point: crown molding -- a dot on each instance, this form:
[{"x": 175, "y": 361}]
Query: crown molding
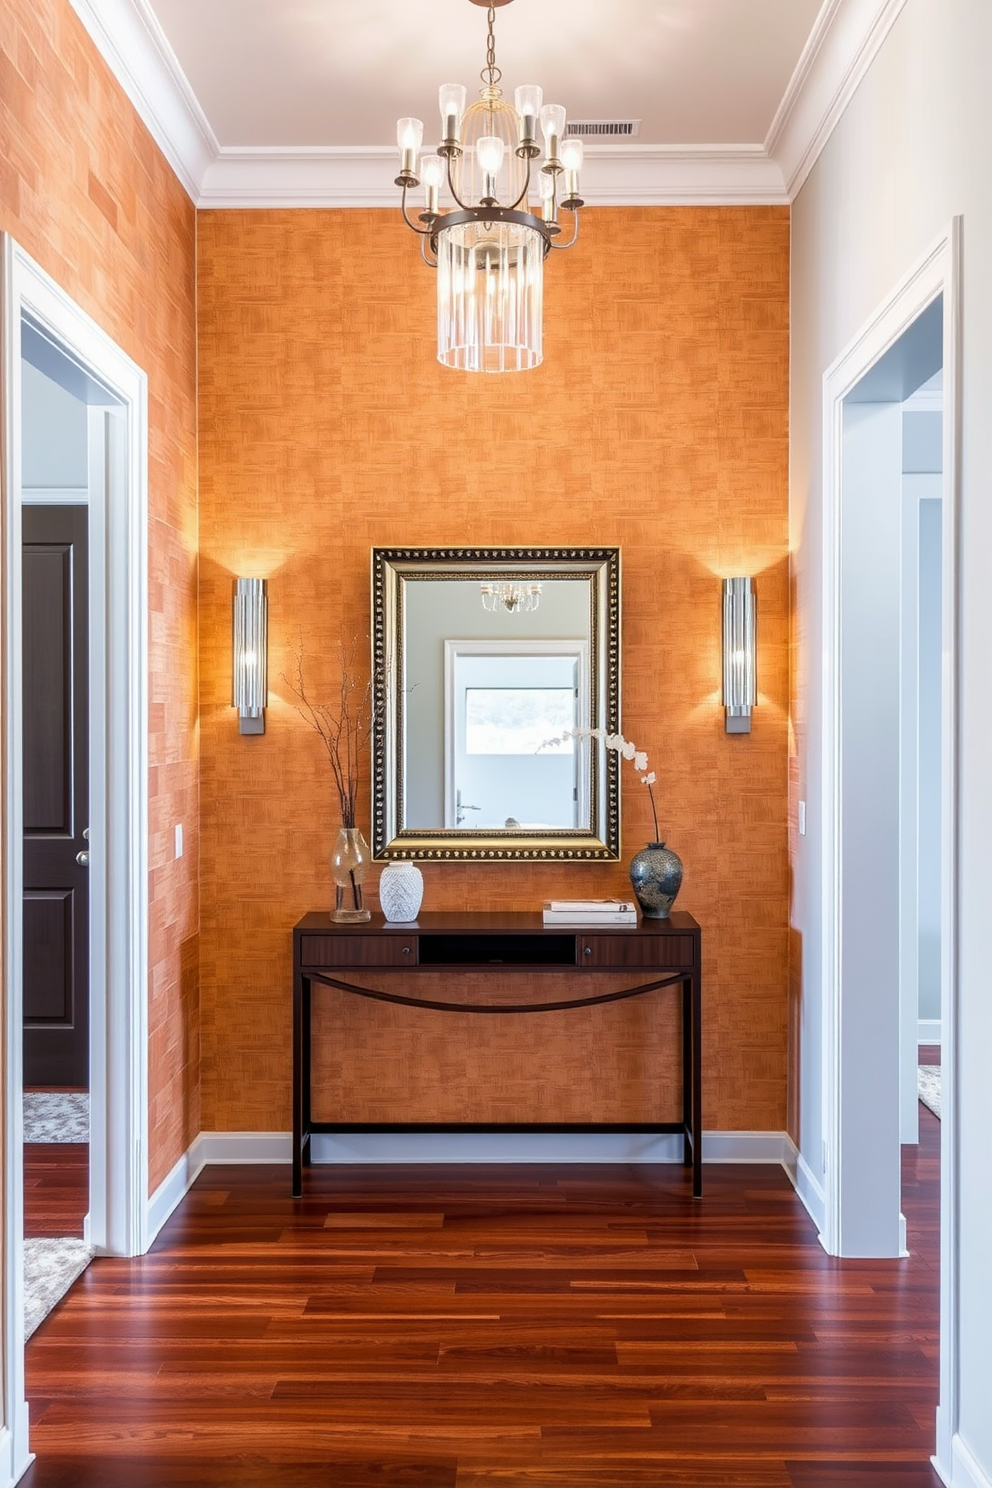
[
  {"x": 137, "y": 51},
  {"x": 844, "y": 42},
  {"x": 613, "y": 175}
]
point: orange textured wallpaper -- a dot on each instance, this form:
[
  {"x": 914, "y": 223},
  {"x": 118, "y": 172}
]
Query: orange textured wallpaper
[
  {"x": 659, "y": 421},
  {"x": 86, "y": 192}
]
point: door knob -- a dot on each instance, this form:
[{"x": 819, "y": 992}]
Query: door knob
[{"x": 83, "y": 859}]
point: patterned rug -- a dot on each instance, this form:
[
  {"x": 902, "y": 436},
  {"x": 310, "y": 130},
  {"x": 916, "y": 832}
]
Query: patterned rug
[
  {"x": 56, "y": 1116},
  {"x": 50, "y": 1268},
  {"x": 928, "y": 1082}
]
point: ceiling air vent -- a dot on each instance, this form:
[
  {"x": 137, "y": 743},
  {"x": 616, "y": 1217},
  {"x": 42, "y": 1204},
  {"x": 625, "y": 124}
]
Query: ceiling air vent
[{"x": 603, "y": 128}]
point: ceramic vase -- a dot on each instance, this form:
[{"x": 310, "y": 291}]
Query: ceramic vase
[
  {"x": 656, "y": 876},
  {"x": 350, "y": 860},
  {"x": 401, "y": 892}
]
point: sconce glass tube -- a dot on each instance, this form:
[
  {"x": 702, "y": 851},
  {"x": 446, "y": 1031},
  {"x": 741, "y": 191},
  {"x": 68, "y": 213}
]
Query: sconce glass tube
[
  {"x": 251, "y": 644},
  {"x": 740, "y": 686}
]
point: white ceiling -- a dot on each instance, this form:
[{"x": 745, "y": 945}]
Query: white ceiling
[
  {"x": 336, "y": 73},
  {"x": 293, "y": 102}
]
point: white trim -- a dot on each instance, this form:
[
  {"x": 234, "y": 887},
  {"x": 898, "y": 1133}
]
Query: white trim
[
  {"x": 938, "y": 273},
  {"x": 55, "y": 495},
  {"x": 841, "y": 48},
  {"x": 965, "y": 1470},
  {"x": 494, "y": 1147},
  {"x": 807, "y": 1186},
  {"x": 118, "y": 819},
  {"x": 174, "y": 1187},
  {"x": 929, "y": 1031},
  {"x": 137, "y": 51},
  {"x": 613, "y": 175}
]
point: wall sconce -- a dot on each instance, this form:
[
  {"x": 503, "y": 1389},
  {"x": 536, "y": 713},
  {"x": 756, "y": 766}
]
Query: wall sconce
[
  {"x": 251, "y": 645},
  {"x": 740, "y": 634}
]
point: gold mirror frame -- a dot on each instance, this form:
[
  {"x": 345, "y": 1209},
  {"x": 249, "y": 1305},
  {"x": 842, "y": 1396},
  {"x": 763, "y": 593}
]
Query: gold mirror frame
[{"x": 392, "y": 568}]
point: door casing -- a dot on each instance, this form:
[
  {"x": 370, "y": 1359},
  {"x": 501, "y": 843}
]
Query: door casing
[{"x": 118, "y": 497}]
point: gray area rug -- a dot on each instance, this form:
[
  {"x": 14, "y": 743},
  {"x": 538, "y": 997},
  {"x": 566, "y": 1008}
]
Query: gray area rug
[
  {"x": 56, "y": 1116},
  {"x": 929, "y": 1087},
  {"x": 50, "y": 1268}
]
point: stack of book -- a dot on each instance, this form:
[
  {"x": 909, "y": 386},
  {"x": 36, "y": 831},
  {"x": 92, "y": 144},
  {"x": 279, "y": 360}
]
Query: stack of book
[{"x": 591, "y": 912}]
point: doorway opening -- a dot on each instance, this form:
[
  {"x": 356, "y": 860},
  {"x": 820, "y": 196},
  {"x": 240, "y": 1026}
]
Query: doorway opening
[
  {"x": 41, "y": 325},
  {"x": 876, "y": 820},
  {"x": 55, "y": 812}
]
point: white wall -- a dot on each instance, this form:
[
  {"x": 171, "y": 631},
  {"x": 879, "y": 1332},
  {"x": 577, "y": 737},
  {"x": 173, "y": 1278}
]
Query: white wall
[
  {"x": 54, "y": 433},
  {"x": 928, "y": 760},
  {"x": 908, "y": 155}
]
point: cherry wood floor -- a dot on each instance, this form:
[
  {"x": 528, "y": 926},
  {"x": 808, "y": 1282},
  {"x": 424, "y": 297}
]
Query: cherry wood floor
[
  {"x": 491, "y": 1327},
  {"x": 56, "y": 1188}
]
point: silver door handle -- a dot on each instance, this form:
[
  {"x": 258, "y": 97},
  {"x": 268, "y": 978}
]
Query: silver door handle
[{"x": 83, "y": 859}]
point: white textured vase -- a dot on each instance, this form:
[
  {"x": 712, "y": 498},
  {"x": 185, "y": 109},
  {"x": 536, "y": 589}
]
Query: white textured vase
[{"x": 401, "y": 892}]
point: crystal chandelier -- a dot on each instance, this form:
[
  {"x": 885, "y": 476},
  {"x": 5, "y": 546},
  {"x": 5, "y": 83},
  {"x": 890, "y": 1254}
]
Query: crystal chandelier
[
  {"x": 518, "y": 599},
  {"x": 489, "y": 247}
]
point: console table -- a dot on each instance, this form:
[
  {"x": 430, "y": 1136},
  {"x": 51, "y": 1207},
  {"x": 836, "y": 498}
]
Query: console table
[{"x": 658, "y": 954}]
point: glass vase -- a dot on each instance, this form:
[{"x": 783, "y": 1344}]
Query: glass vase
[{"x": 350, "y": 860}]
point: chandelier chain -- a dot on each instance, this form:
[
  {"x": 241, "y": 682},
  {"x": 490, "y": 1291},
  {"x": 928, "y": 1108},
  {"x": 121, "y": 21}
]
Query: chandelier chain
[{"x": 491, "y": 72}]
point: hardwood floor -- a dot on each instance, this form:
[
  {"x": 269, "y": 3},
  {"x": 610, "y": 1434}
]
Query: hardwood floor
[
  {"x": 488, "y": 1327},
  {"x": 56, "y": 1188}
]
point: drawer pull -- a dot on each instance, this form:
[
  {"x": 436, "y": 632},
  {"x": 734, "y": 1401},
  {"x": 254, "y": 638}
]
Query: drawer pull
[
  {"x": 587, "y": 951},
  {"x": 406, "y": 950}
]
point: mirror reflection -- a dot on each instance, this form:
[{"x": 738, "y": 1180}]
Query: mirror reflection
[{"x": 481, "y": 665}]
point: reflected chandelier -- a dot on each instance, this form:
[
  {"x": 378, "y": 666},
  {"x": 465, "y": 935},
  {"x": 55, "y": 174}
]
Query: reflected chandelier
[{"x": 489, "y": 247}]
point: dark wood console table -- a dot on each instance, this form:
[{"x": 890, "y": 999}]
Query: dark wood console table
[{"x": 657, "y": 954}]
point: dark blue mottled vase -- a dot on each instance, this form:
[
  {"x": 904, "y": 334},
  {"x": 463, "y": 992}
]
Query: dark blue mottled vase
[{"x": 656, "y": 874}]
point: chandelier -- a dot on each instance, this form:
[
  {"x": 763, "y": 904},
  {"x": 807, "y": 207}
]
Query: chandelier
[
  {"x": 489, "y": 247},
  {"x": 517, "y": 599}
]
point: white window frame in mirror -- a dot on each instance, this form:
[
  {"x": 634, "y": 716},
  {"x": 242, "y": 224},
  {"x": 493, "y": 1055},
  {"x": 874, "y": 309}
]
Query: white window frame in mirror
[
  {"x": 453, "y": 650},
  {"x": 392, "y": 570}
]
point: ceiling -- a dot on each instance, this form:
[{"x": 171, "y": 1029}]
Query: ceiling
[
  {"x": 294, "y": 103},
  {"x": 335, "y": 73}
]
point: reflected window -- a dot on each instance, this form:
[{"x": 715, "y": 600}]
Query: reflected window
[{"x": 518, "y": 720}]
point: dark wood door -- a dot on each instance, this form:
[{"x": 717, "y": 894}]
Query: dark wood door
[{"x": 56, "y": 797}]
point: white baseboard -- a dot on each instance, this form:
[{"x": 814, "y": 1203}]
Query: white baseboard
[
  {"x": 807, "y": 1186},
  {"x": 962, "y": 1471},
  {"x": 11, "y": 1469},
  {"x": 929, "y": 1031},
  {"x": 966, "y": 1472},
  {"x": 174, "y": 1187},
  {"x": 492, "y": 1147}
]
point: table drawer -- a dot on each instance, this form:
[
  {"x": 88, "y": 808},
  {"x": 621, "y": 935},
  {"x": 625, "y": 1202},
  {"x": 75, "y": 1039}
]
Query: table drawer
[
  {"x": 631, "y": 949},
  {"x": 358, "y": 950}
]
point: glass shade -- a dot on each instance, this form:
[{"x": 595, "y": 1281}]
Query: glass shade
[
  {"x": 433, "y": 170},
  {"x": 491, "y": 150},
  {"x": 528, "y": 99},
  {"x": 552, "y": 122},
  {"x": 571, "y": 152},
  {"x": 250, "y": 693},
  {"x": 489, "y": 297},
  {"x": 451, "y": 102},
  {"x": 409, "y": 134}
]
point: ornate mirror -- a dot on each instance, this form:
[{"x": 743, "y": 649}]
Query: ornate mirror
[{"x": 482, "y": 658}]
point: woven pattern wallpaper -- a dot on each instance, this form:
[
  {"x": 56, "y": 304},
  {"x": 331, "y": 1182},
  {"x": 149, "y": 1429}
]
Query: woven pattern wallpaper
[{"x": 659, "y": 422}]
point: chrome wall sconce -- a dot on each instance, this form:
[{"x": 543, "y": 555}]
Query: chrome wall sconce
[
  {"x": 740, "y": 636},
  {"x": 251, "y": 646}
]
